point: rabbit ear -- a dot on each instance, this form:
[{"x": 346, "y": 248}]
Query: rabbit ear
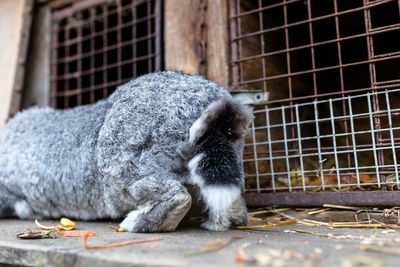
[{"x": 228, "y": 116}]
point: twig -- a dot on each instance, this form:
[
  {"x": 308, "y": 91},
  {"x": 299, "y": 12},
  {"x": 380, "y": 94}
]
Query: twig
[{"x": 85, "y": 245}]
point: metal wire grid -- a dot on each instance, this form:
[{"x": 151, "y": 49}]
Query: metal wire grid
[
  {"x": 99, "y": 44},
  {"x": 302, "y": 53},
  {"x": 307, "y": 49},
  {"x": 312, "y": 152}
]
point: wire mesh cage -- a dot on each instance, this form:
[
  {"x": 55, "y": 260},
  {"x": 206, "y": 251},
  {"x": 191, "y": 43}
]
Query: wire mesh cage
[
  {"x": 317, "y": 152},
  {"x": 99, "y": 44},
  {"x": 331, "y": 121}
]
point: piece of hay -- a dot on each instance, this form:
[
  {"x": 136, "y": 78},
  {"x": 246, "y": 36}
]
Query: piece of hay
[
  {"x": 318, "y": 211},
  {"x": 267, "y": 225}
]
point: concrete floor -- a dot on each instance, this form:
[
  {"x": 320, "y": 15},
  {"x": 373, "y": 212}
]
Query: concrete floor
[{"x": 273, "y": 246}]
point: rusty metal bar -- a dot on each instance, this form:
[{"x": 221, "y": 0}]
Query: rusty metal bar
[
  {"x": 84, "y": 5},
  {"x": 377, "y": 3},
  {"x": 331, "y": 41},
  {"x": 319, "y": 69},
  {"x": 234, "y": 44},
  {"x": 158, "y": 32},
  {"x": 330, "y": 94}
]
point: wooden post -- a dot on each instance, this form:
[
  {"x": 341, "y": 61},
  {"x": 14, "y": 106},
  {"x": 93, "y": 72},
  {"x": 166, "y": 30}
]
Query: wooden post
[
  {"x": 37, "y": 82},
  {"x": 15, "y": 21},
  {"x": 218, "y": 55},
  {"x": 180, "y": 35}
]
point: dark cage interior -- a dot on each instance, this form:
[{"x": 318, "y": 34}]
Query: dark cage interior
[
  {"x": 98, "y": 45},
  {"x": 331, "y": 68}
]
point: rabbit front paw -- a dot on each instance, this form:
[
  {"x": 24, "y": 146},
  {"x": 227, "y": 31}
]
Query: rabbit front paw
[{"x": 215, "y": 225}]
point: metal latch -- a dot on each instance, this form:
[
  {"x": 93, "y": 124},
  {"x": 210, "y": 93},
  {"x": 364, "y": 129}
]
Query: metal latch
[{"x": 250, "y": 97}]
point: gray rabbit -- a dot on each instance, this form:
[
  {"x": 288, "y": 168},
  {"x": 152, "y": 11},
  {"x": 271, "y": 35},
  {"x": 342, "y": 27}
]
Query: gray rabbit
[{"x": 133, "y": 154}]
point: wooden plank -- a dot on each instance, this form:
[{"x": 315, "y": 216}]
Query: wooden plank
[
  {"x": 181, "y": 35},
  {"x": 60, "y": 3},
  {"x": 218, "y": 57},
  {"x": 15, "y": 21},
  {"x": 37, "y": 82},
  {"x": 318, "y": 199}
]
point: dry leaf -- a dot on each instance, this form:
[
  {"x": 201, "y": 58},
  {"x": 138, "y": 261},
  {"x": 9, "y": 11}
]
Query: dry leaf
[{"x": 29, "y": 234}]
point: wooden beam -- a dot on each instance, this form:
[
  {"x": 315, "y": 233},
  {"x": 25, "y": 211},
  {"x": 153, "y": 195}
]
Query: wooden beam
[
  {"x": 218, "y": 52},
  {"x": 181, "y": 35},
  {"x": 60, "y": 3},
  {"x": 37, "y": 81},
  {"x": 15, "y": 21}
]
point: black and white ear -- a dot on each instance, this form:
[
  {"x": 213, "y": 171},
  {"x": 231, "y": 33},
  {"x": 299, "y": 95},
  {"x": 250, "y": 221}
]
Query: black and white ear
[{"x": 227, "y": 115}]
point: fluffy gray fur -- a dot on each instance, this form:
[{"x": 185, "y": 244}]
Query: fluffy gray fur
[{"x": 117, "y": 157}]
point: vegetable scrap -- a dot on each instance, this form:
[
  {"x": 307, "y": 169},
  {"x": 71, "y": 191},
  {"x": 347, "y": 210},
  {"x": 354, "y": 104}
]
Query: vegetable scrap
[
  {"x": 76, "y": 233},
  {"x": 29, "y": 234},
  {"x": 118, "y": 229},
  {"x": 155, "y": 245},
  {"x": 65, "y": 229},
  {"x": 86, "y": 246},
  {"x": 240, "y": 256},
  {"x": 65, "y": 224},
  {"x": 213, "y": 246}
]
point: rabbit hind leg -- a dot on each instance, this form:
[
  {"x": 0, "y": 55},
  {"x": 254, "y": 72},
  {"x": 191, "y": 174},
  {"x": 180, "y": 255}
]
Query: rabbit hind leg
[{"x": 159, "y": 215}]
